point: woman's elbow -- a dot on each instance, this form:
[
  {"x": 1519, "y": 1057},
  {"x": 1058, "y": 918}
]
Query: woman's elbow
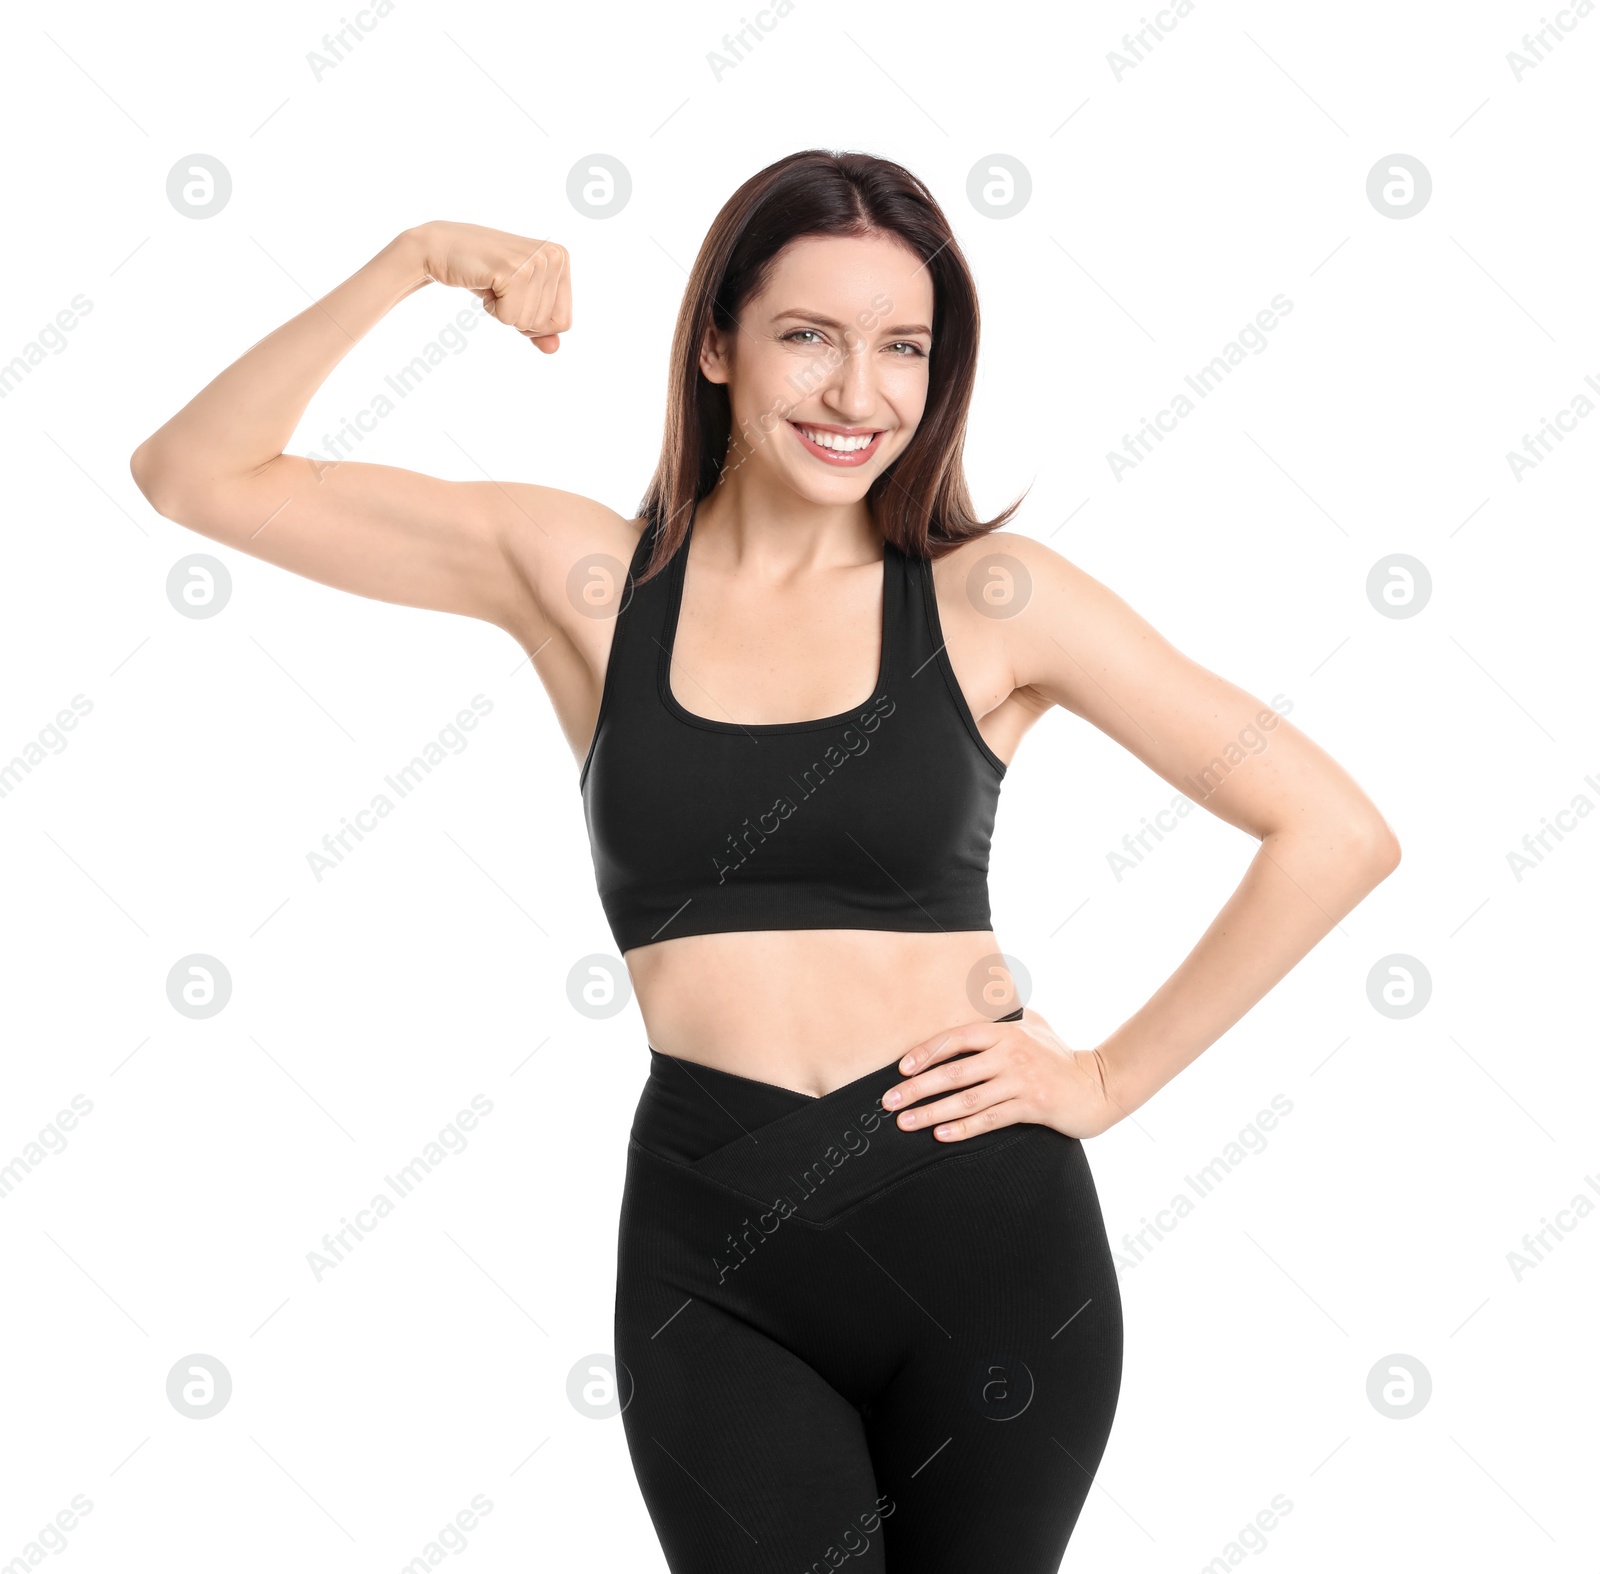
[
  {"x": 1371, "y": 846},
  {"x": 147, "y": 472},
  {"x": 158, "y": 479}
]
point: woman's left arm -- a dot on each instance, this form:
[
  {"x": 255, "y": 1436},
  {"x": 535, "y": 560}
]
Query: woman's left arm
[{"x": 1324, "y": 846}]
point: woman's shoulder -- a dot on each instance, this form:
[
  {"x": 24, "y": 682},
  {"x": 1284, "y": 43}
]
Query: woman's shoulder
[{"x": 995, "y": 577}]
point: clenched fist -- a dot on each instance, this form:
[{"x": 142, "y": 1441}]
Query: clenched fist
[{"x": 526, "y": 284}]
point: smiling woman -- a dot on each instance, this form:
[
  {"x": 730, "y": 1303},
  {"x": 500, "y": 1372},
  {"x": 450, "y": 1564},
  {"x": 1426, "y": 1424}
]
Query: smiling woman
[{"x": 794, "y": 714}]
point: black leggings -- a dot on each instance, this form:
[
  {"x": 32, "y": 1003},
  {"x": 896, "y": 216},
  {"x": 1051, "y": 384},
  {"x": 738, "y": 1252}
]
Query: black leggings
[{"x": 844, "y": 1344}]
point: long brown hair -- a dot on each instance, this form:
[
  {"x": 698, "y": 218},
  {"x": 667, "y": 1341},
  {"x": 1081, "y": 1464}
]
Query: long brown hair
[{"x": 920, "y": 502}]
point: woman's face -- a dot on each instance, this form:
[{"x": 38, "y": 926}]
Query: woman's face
[{"x": 828, "y": 374}]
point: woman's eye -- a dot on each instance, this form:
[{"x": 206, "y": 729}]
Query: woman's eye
[{"x": 902, "y": 348}]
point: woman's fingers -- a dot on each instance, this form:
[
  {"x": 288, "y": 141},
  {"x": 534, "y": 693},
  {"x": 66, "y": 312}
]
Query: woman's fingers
[
  {"x": 983, "y": 1075},
  {"x": 970, "y": 1035},
  {"x": 970, "y": 1059},
  {"x": 521, "y": 291},
  {"x": 940, "y": 1078},
  {"x": 1008, "y": 1113},
  {"x": 562, "y": 317},
  {"x": 525, "y": 284},
  {"x": 958, "y": 1117},
  {"x": 966, "y": 1102},
  {"x": 555, "y": 307},
  {"x": 537, "y": 284}
]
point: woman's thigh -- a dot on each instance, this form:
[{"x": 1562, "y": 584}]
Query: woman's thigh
[
  {"x": 988, "y": 1437},
  {"x": 748, "y": 1460}
]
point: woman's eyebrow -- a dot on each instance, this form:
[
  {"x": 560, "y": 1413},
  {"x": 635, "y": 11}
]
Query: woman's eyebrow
[{"x": 828, "y": 322}]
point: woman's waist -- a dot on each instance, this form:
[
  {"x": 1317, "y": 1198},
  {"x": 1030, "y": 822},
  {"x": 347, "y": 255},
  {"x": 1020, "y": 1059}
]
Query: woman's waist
[
  {"x": 810, "y": 1011},
  {"x": 816, "y": 1157}
]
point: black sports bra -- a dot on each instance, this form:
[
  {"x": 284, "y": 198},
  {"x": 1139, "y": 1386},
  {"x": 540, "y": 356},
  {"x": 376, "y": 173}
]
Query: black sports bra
[{"x": 877, "y": 818}]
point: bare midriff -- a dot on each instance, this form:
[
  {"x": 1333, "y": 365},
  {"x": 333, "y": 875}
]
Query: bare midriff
[{"x": 813, "y": 1009}]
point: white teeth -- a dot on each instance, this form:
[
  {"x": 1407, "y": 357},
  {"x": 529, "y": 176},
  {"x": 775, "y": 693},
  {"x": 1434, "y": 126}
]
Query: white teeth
[{"x": 838, "y": 442}]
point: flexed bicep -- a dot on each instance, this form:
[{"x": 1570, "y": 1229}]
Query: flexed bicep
[{"x": 219, "y": 466}]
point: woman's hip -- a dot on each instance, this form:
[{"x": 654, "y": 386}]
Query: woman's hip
[{"x": 772, "y": 1203}]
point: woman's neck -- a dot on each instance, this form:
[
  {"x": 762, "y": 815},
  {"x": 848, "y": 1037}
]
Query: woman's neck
[{"x": 742, "y": 523}]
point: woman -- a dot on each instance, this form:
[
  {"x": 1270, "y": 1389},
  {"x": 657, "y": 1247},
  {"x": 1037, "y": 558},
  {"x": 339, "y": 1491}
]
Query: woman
[{"x": 866, "y": 1306}]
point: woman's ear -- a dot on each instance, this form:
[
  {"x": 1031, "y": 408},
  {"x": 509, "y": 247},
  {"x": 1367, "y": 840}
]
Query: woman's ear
[{"x": 715, "y": 359}]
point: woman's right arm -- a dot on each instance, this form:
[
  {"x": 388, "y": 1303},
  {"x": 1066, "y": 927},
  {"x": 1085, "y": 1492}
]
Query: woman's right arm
[{"x": 480, "y": 548}]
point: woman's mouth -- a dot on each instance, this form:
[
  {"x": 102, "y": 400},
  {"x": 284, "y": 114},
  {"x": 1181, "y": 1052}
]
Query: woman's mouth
[{"x": 839, "y": 445}]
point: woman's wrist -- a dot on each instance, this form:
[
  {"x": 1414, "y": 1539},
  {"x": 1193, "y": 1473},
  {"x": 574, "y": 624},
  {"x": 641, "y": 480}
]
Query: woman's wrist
[
  {"x": 1121, "y": 1091},
  {"x": 405, "y": 260}
]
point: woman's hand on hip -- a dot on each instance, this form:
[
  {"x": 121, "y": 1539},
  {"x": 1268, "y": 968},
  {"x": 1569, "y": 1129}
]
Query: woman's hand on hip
[{"x": 1008, "y": 1073}]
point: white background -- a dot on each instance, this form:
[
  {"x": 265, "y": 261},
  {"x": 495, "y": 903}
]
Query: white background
[{"x": 1168, "y": 208}]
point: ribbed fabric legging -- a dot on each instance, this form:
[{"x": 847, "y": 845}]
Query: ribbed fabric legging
[{"x": 841, "y": 1344}]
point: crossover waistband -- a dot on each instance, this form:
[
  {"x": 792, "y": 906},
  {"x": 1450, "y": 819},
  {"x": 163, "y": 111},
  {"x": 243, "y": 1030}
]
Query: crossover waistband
[{"x": 810, "y": 1157}]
